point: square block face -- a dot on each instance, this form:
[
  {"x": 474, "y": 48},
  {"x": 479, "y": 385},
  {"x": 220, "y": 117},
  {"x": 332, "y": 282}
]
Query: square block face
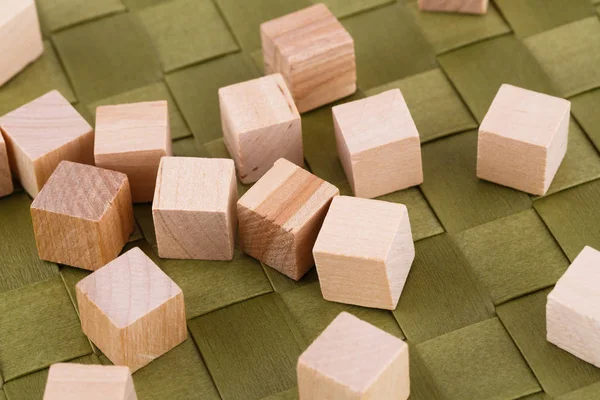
[
  {"x": 353, "y": 359},
  {"x": 194, "y": 208},
  {"x": 378, "y": 144},
  {"x": 42, "y": 133},
  {"x": 260, "y": 125},
  {"x": 6, "y": 184},
  {"x": 20, "y": 37},
  {"x": 131, "y": 138},
  {"x": 523, "y": 139},
  {"x": 573, "y": 317},
  {"x": 280, "y": 217},
  {"x": 132, "y": 310},
  {"x": 313, "y": 52},
  {"x": 83, "y": 217},
  {"x": 460, "y": 6},
  {"x": 364, "y": 252}
]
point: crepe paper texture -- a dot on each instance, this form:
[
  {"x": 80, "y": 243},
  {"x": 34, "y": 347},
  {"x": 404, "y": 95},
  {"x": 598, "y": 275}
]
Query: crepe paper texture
[
  {"x": 345, "y": 8},
  {"x": 585, "y": 110},
  {"x": 591, "y": 392},
  {"x": 59, "y": 14},
  {"x": 281, "y": 283}
]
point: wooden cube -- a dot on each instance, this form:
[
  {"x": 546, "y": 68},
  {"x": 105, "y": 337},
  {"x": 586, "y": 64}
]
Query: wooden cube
[
  {"x": 458, "y": 6},
  {"x": 6, "y": 184},
  {"x": 132, "y": 138},
  {"x": 572, "y": 313},
  {"x": 20, "y": 37},
  {"x": 132, "y": 310},
  {"x": 260, "y": 125},
  {"x": 314, "y": 53},
  {"x": 280, "y": 217},
  {"x": 42, "y": 133},
  {"x": 68, "y": 381},
  {"x": 194, "y": 208},
  {"x": 364, "y": 252},
  {"x": 353, "y": 359},
  {"x": 378, "y": 144},
  {"x": 523, "y": 139},
  {"x": 83, "y": 216}
]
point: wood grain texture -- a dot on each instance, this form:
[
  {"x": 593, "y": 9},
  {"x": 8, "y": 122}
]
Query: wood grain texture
[
  {"x": 194, "y": 208},
  {"x": 261, "y": 124},
  {"x": 91, "y": 382},
  {"x": 280, "y": 217},
  {"x": 42, "y": 133},
  {"x": 364, "y": 252},
  {"x": 20, "y": 37},
  {"x": 83, "y": 217},
  {"x": 460, "y": 6},
  {"x": 6, "y": 183},
  {"x": 313, "y": 52},
  {"x": 378, "y": 144},
  {"x": 132, "y": 138},
  {"x": 353, "y": 359},
  {"x": 132, "y": 310}
]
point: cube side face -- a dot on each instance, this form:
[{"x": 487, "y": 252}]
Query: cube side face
[
  {"x": 6, "y": 183},
  {"x": 557, "y": 150},
  {"x": 344, "y": 153},
  {"x": 400, "y": 258},
  {"x": 313, "y": 385},
  {"x": 117, "y": 224},
  {"x": 93, "y": 382},
  {"x": 394, "y": 382},
  {"x": 461, "y": 6}
]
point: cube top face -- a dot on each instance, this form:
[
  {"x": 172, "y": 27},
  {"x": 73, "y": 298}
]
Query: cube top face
[
  {"x": 43, "y": 125},
  {"x": 11, "y": 8},
  {"x": 375, "y": 121},
  {"x": 128, "y": 288},
  {"x": 525, "y": 116},
  {"x": 194, "y": 184},
  {"x": 256, "y": 104},
  {"x": 352, "y": 352},
  {"x": 80, "y": 191},
  {"x": 134, "y": 127}
]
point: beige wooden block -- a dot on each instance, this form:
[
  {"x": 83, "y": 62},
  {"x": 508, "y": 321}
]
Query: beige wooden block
[
  {"x": 83, "y": 216},
  {"x": 458, "y": 6},
  {"x": 364, "y": 252},
  {"x": 6, "y": 184},
  {"x": 20, "y": 37},
  {"x": 378, "y": 144},
  {"x": 68, "y": 381},
  {"x": 42, "y": 133},
  {"x": 523, "y": 139},
  {"x": 194, "y": 208},
  {"x": 572, "y": 313},
  {"x": 354, "y": 360},
  {"x": 314, "y": 53},
  {"x": 280, "y": 217},
  {"x": 132, "y": 310},
  {"x": 260, "y": 125},
  {"x": 132, "y": 138}
]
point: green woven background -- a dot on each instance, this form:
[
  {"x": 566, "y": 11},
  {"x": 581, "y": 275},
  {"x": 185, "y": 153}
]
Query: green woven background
[{"x": 473, "y": 307}]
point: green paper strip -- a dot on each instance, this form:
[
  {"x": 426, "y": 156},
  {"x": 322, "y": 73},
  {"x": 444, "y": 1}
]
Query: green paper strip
[
  {"x": 55, "y": 15},
  {"x": 585, "y": 109},
  {"x": 345, "y": 8},
  {"x": 591, "y": 392}
]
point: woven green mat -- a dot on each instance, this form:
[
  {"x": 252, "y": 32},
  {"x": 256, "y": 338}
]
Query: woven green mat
[{"x": 473, "y": 307}]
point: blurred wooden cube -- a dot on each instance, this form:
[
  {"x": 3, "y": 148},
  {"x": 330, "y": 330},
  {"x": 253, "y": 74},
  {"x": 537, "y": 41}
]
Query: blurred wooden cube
[
  {"x": 83, "y": 216},
  {"x": 20, "y": 37},
  {"x": 364, "y": 252},
  {"x": 132, "y": 138},
  {"x": 260, "y": 125},
  {"x": 132, "y": 310},
  {"x": 314, "y": 53},
  {"x": 68, "y": 381},
  {"x": 523, "y": 139},
  {"x": 41, "y": 134},
  {"x": 194, "y": 208},
  {"x": 353, "y": 359},
  {"x": 458, "y": 6},
  {"x": 378, "y": 144},
  {"x": 6, "y": 183},
  {"x": 280, "y": 217}
]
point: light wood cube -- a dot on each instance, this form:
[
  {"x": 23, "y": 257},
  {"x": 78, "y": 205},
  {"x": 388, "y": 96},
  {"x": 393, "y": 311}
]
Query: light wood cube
[
  {"x": 314, "y": 53},
  {"x": 378, "y": 144},
  {"x": 194, "y": 208},
  {"x": 280, "y": 217},
  {"x": 260, "y": 125},
  {"x": 68, "y": 381},
  {"x": 364, "y": 252},
  {"x": 20, "y": 37},
  {"x": 572, "y": 313},
  {"x": 6, "y": 183},
  {"x": 83, "y": 216},
  {"x": 459, "y": 6},
  {"x": 42, "y": 133},
  {"x": 132, "y": 310},
  {"x": 354, "y": 360},
  {"x": 523, "y": 139},
  {"x": 132, "y": 138}
]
